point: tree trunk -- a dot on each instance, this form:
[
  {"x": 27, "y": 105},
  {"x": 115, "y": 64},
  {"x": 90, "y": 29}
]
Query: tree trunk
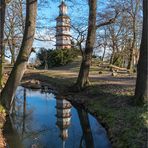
[
  {"x": 113, "y": 54},
  {"x": 2, "y": 21},
  {"x": 131, "y": 58},
  {"x": 82, "y": 79},
  {"x": 80, "y": 47},
  {"x": 24, "y": 112},
  {"x": 104, "y": 51},
  {"x": 16, "y": 75},
  {"x": 130, "y": 61},
  {"x": 12, "y": 51},
  {"x": 12, "y": 46},
  {"x": 141, "y": 92},
  {"x": 13, "y": 55}
]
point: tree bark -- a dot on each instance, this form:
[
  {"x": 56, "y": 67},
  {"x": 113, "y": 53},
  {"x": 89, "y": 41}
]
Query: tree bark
[
  {"x": 112, "y": 55},
  {"x": 2, "y": 21},
  {"x": 133, "y": 14},
  {"x": 104, "y": 51},
  {"x": 83, "y": 79},
  {"x": 141, "y": 92},
  {"x": 12, "y": 51},
  {"x": 16, "y": 75},
  {"x": 13, "y": 55},
  {"x": 130, "y": 63}
]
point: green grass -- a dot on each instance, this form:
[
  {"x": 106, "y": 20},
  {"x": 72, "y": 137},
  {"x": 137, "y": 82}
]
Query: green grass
[
  {"x": 114, "y": 105},
  {"x": 127, "y": 125}
]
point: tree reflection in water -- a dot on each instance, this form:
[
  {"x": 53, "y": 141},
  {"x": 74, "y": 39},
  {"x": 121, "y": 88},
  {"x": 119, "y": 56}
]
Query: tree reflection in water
[
  {"x": 34, "y": 123},
  {"x": 85, "y": 124}
]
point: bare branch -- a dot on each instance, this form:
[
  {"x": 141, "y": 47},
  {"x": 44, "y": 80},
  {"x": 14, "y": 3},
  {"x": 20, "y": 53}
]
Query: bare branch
[{"x": 110, "y": 21}]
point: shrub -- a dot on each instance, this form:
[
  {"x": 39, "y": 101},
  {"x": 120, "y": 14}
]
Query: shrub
[{"x": 56, "y": 57}]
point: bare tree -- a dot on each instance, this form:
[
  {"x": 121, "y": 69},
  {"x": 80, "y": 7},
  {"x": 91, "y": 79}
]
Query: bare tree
[
  {"x": 120, "y": 34},
  {"x": 17, "y": 72},
  {"x": 14, "y": 27},
  {"x": 82, "y": 80},
  {"x": 83, "y": 77},
  {"x": 133, "y": 12},
  {"x": 2, "y": 21}
]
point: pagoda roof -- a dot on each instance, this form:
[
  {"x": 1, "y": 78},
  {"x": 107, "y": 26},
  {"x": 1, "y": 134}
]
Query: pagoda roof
[
  {"x": 63, "y": 16},
  {"x": 63, "y": 26},
  {"x": 63, "y": 35},
  {"x": 60, "y": 97},
  {"x": 65, "y": 107},
  {"x": 63, "y": 116},
  {"x": 63, "y": 126},
  {"x": 63, "y": 45}
]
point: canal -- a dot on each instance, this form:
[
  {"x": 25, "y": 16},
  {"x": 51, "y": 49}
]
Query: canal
[{"x": 41, "y": 120}]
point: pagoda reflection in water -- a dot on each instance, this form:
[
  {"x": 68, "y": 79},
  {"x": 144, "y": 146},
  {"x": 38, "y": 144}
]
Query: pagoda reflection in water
[{"x": 63, "y": 115}]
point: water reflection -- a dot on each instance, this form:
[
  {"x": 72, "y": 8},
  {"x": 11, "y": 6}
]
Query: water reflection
[
  {"x": 63, "y": 109},
  {"x": 42, "y": 121},
  {"x": 85, "y": 124}
]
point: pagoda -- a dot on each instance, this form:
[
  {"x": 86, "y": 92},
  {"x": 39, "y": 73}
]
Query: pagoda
[
  {"x": 63, "y": 37},
  {"x": 63, "y": 115}
]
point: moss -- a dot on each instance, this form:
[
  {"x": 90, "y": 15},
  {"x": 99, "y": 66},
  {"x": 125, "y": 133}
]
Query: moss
[
  {"x": 2, "y": 116},
  {"x": 2, "y": 109}
]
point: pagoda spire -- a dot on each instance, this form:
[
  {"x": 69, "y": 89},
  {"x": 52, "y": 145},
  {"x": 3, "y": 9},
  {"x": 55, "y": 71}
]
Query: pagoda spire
[{"x": 63, "y": 8}]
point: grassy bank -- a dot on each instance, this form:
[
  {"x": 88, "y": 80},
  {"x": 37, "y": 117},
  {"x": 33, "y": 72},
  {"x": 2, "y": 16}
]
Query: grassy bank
[{"x": 109, "y": 99}]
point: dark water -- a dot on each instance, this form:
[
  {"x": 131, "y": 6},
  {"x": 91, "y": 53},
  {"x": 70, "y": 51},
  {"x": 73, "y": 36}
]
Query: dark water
[{"x": 42, "y": 121}]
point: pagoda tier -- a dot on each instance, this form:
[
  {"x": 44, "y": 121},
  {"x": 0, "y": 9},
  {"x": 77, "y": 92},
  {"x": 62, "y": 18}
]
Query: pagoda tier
[{"x": 61, "y": 17}]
